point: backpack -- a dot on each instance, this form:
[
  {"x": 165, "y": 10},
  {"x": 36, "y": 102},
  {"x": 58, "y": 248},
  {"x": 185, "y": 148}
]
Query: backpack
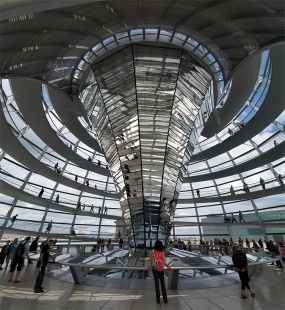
[{"x": 20, "y": 249}]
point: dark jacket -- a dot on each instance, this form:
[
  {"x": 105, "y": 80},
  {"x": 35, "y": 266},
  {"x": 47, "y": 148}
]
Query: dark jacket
[
  {"x": 239, "y": 259},
  {"x": 34, "y": 245}
]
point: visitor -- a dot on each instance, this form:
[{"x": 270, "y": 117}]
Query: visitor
[
  {"x": 57, "y": 198},
  {"x": 247, "y": 242},
  {"x": 189, "y": 245},
  {"x": 33, "y": 248},
  {"x": 105, "y": 210},
  {"x": 92, "y": 208},
  {"x": 274, "y": 249},
  {"x": 109, "y": 244},
  {"x": 260, "y": 243},
  {"x": 13, "y": 219},
  {"x": 44, "y": 257},
  {"x": 21, "y": 252},
  {"x": 4, "y": 252},
  {"x": 11, "y": 252},
  {"x": 262, "y": 183},
  {"x": 240, "y": 263},
  {"x": 55, "y": 167},
  {"x": 198, "y": 193},
  {"x": 87, "y": 182},
  {"x": 240, "y": 242},
  {"x": 254, "y": 245},
  {"x": 102, "y": 244},
  {"x": 89, "y": 158},
  {"x": 245, "y": 187},
  {"x": 232, "y": 190},
  {"x": 230, "y": 132},
  {"x": 121, "y": 242},
  {"x": 41, "y": 192},
  {"x": 275, "y": 143},
  {"x": 72, "y": 231},
  {"x": 76, "y": 178},
  {"x": 240, "y": 215},
  {"x": 48, "y": 229},
  {"x": 233, "y": 218},
  {"x": 158, "y": 274}
]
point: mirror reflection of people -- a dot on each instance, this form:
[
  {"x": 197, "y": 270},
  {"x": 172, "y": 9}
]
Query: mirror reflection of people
[{"x": 158, "y": 274}]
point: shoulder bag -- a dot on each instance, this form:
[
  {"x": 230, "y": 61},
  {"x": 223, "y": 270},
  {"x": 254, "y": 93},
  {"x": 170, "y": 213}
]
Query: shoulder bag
[{"x": 153, "y": 264}]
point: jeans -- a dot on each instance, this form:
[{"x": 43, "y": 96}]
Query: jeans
[
  {"x": 40, "y": 278},
  {"x": 159, "y": 276}
]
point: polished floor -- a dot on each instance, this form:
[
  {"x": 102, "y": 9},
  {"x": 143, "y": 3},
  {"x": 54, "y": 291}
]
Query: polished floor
[{"x": 269, "y": 289}]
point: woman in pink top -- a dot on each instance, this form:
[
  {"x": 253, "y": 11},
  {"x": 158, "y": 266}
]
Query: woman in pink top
[{"x": 158, "y": 274}]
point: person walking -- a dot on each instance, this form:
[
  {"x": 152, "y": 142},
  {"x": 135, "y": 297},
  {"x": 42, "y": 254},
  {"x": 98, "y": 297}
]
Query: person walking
[
  {"x": 240, "y": 263},
  {"x": 233, "y": 218},
  {"x": 158, "y": 274},
  {"x": 4, "y": 252},
  {"x": 92, "y": 208},
  {"x": 109, "y": 244},
  {"x": 245, "y": 187},
  {"x": 105, "y": 210},
  {"x": 44, "y": 257},
  {"x": 13, "y": 219},
  {"x": 198, "y": 193},
  {"x": 232, "y": 190},
  {"x": 21, "y": 252},
  {"x": 121, "y": 242},
  {"x": 262, "y": 183},
  {"x": 11, "y": 252},
  {"x": 57, "y": 198},
  {"x": 48, "y": 229},
  {"x": 230, "y": 132},
  {"x": 33, "y": 248},
  {"x": 260, "y": 243},
  {"x": 76, "y": 178},
  {"x": 41, "y": 192},
  {"x": 72, "y": 231},
  {"x": 240, "y": 215}
]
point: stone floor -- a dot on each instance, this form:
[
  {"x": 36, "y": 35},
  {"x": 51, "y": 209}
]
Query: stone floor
[{"x": 269, "y": 289}]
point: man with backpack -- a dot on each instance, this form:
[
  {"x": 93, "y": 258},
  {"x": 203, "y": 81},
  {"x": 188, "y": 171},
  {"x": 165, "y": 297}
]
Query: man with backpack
[{"x": 22, "y": 251}]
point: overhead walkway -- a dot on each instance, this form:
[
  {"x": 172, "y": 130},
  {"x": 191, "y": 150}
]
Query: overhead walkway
[
  {"x": 230, "y": 225},
  {"x": 15, "y": 149},
  {"x": 271, "y": 108},
  {"x": 19, "y": 194},
  {"x": 265, "y": 158},
  {"x": 24, "y": 232},
  {"x": 28, "y": 97},
  {"x": 257, "y": 194},
  {"x": 63, "y": 106},
  {"x": 244, "y": 79}
]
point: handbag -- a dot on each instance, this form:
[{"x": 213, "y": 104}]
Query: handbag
[{"x": 153, "y": 264}]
